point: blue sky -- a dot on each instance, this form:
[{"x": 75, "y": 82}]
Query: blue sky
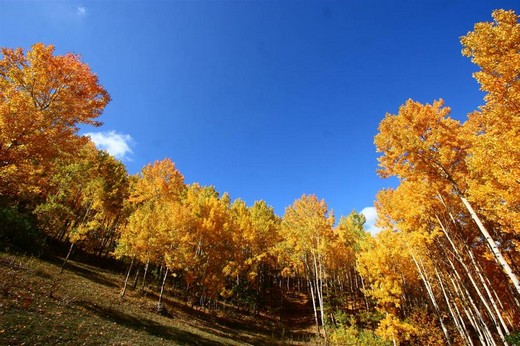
[{"x": 262, "y": 99}]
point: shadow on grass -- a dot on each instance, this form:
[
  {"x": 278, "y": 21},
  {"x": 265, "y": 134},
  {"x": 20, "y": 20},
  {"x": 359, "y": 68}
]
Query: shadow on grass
[
  {"x": 141, "y": 324},
  {"x": 206, "y": 322},
  {"x": 257, "y": 330},
  {"x": 89, "y": 274},
  {"x": 43, "y": 274}
]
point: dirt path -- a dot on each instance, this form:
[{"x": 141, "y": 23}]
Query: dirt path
[{"x": 298, "y": 316}]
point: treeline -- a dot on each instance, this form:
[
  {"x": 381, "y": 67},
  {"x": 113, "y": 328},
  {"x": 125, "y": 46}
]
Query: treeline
[{"x": 443, "y": 270}]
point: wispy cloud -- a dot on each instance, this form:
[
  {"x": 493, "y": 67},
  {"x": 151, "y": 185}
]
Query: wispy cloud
[
  {"x": 117, "y": 144},
  {"x": 81, "y": 11},
  {"x": 371, "y": 216},
  {"x": 61, "y": 12}
]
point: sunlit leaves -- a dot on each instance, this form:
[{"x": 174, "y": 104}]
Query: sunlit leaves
[
  {"x": 494, "y": 131},
  {"x": 43, "y": 97},
  {"x": 422, "y": 142},
  {"x": 441, "y": 165}
]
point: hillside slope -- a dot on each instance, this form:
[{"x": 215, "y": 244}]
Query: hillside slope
[{"x": 82, "y": 305}]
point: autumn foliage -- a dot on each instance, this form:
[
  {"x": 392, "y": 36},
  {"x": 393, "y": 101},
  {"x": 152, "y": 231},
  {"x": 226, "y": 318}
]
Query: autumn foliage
[
  {"x": 43, "y": 98},
  {"x": 456, "y": 207},
  {"x": 443, "y": 269}
]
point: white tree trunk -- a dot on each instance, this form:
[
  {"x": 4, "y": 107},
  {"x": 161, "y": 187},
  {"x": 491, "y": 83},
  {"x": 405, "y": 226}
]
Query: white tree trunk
[
  {"x": 452, "y": 313},
  {"x": 432, "y": 297},
  {"x": 123, "y": 291},
  {"x": 490, "y": 296},
  {"x": 467, "y": 311},
  {"x": 477, "y": 289},
  {"x": 310, "y": 283},
  {"x": 483, "y": 326},
  {"x": 159, "y": 303},
  {"x": 493, "y": 246},
  {"x": 461, "y": 322},
  {"x": 319, "y": 292},
  {"x": 144, "y": 274}
]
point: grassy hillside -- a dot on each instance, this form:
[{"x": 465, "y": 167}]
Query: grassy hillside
[{"x": 82, "y": 306}]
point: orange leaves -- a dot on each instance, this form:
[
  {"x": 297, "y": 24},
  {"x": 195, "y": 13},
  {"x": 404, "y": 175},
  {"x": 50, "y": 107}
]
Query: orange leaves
[
  {"x": 62, "y": 83},
  {"x": 420, "y": 142},
  {"x": 494, "y": 131},
  {"x": 495, "y": 48},
  {"x": 442, "y": 165},
  {"x": 42, "y": 100}
]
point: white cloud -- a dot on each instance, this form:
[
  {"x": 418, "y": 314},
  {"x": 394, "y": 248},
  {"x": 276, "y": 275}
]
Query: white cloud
[
  {"x": 116, "y": 144},
  {"x": 81, "y": 11},
  {"x": 371, "y": 216}
]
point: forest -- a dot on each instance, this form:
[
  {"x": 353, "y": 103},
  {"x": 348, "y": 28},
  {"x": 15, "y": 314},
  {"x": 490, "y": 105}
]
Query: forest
[{"x": 443, "y": 270}]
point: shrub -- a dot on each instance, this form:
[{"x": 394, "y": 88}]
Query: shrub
[{"x": 18, "y": 230}]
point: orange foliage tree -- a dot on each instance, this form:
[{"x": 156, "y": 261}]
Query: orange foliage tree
[{"x": 43, "y": 97}]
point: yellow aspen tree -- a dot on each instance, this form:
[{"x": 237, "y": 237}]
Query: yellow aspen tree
[
  {"x": 346, "y": 244},
  {"x": 64, "y": 208},
  {"x": 146, "y": 231},
  {"x": 422, "y": 143},
  {"x": 239, "y": 263},
  {"x": 307, "y": 232},
  {"x": 256, "y": 234},
  {"x": 387, "y": 268},
  {"x": 263, "y": 239},
  {"x": 413, "y": 210},
  {"x": 210, "y": 243},
  {"x": 160, "y": 180},
  {"x": 114, "y": 192},
  {"x": 494, "y": 130}
]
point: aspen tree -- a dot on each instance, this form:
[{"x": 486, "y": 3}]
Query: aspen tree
[
  {"x": 422, "y": 143},
  {"x": 307, "y": 230}
]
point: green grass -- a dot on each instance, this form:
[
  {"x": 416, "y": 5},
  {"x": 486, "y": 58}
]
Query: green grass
[{"x": 82, "y": 306}]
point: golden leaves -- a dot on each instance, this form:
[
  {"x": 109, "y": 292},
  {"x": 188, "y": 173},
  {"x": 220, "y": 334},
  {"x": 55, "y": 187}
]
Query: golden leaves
[
  {"x": 420, "y": 142},
  {"x": 43, "y": 98}
]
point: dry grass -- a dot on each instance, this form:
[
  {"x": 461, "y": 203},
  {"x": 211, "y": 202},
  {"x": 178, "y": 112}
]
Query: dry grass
[{"x": 82, "y": 306}]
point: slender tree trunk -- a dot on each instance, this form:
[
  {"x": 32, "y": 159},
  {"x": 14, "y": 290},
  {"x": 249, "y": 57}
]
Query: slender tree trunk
[
  {"x": 281, "y": 298},
  {"x": 493, "y": 246},
  {"x": 481, "y": 324},
  {"x": 459, "y": 320},
  {"x": 465, "y": 305},
  {"x": 123, "y": 291},
  {"x": 102, "y": 245},
  {"x": 136, "y": 277},
  {"x": 319, "y": 291},
  {"x": 144, "y": 274},
  {"x": 432, "y": 297},
  {"x": 322, "y": 303},
  {"x": 67, "y": 257},
  {"x": 310, "y": 283},
  {"x": 452, "y": 313},
  {"x": 364, "y": 295},
  {"x": 477, "y": 288},
  {"x": 64, "y": 230},
  {"x": 159, "y": 303},
  {"x": 497, "y": 298},
  {"x": 490, "y": 297},
  {"x": 473, "y": 321}
]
